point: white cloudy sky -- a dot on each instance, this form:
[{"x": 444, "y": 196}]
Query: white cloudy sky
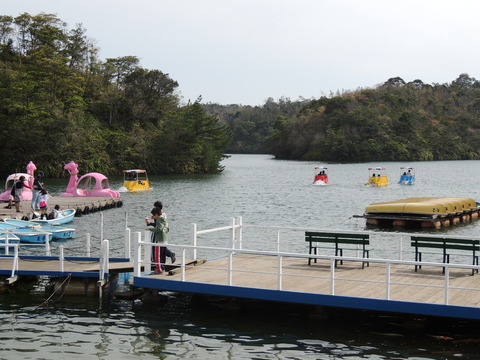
[{"x": 245, "y": 51}]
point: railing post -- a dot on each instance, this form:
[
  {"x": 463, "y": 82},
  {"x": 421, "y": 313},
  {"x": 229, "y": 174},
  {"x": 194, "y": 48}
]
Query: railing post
[
  {"x": 193, "y": 239},
  {"x": 400, "y": 250},
  {"x": 240, "y": 232},
  {"x": 62, "y": 259},
  {"x": 127, "y": 243},
  {"x": 7, "y": 251},
  {"x": 332, "y": 277},
  {"x": 230, "y": 267},
  {"x": 105, "y": 256},
  {"x": 137, "y": 268},
  {"x": 47, "y": 245},
  {"x": 101, "y": 228},
  {"x": 182, "y": 267},
  {"x": 387, "y": 281},
  {"x": 147, "y": 252},
  {"x": 280, "y": 272},
  {"x": 278, "y": 240},
  {"x": 15, "y": 261},
  {"x": 447, "y": 280},
  {"x": 89, "y": 244},
  {"x": 232, "y": 238}
]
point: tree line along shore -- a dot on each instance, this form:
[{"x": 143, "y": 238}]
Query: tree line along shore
[{"x": 60, "y": 102}]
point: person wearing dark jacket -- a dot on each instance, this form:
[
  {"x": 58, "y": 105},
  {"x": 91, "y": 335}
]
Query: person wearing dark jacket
[{"x": 17, "y": 191}]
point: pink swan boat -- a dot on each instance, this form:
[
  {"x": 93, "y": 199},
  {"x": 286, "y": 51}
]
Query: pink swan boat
[
  {"x": 92, "y": 184},
  {"x": 26, "y": 193}
]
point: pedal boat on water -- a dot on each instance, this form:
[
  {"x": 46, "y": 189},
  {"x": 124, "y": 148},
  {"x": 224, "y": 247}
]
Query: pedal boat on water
[
  {"x": 321, "y": 176},
  {"x": 407, "y": 176},
  {"x": 377, "y": 177},
  {"x": 135, "y": 180},
  {"x": 428, "y": 212}
]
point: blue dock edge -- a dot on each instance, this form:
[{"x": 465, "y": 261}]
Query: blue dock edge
[
  {"x": 358, "y": 303},
  {"x": 58, "y": 273}
]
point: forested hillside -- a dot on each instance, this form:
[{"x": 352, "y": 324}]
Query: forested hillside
[
  {"x": 251, "y": 126},
  {"x": 395, "y": 121},
  {"x": 59, "y": 102}
]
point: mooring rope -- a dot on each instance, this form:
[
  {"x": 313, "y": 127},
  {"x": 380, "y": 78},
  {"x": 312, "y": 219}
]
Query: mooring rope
[{"x": 68, "y": 278}]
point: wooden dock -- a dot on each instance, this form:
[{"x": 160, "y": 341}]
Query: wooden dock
[
  {"x": 52, "y": 266},
  {"x": 257, "y": 277},
  {"x": 83, "y": 205}
]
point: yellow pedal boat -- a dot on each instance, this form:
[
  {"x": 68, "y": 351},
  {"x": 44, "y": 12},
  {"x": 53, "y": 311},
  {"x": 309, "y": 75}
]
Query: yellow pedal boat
[
  {"x": 136, "y": 180},
  {"x": 378, "y": 177}
]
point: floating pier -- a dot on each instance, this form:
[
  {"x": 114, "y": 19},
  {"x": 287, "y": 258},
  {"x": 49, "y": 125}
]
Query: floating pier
[
  {"x": 83, "y": 206},
  {"x": 249, "y": 268},
  {"x": 424, "y": 212},
  {"x": 438, "y": 289}
]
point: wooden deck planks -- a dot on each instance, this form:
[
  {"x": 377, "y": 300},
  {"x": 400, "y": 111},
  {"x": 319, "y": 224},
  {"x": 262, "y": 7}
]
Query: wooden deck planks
[{"x": 351, "y": 280}]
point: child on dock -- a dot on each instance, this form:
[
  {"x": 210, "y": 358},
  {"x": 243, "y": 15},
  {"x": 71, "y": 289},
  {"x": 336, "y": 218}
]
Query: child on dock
[{"x": 43, "y": 198}]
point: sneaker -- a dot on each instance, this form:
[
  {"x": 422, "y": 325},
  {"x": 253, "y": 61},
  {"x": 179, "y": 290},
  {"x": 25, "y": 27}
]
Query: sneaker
[{"x": 172, "y": 257}]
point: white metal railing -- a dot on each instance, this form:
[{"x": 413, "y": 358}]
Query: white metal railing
[
  {"x": 281, "y": 274},
  {"x": 236, "y": 243},
  {"x": 104, "y": 259},
  {"x": 235, "y": 232}
]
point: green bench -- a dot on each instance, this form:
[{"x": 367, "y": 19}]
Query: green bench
[
  {"x": 446, "y": 244},
  {"x": 340, "y": 240}
]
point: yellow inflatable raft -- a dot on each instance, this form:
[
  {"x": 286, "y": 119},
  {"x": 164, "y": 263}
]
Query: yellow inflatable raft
[
  {"x": 433, "y": 206},
  {"x": 424, "y": 211}
]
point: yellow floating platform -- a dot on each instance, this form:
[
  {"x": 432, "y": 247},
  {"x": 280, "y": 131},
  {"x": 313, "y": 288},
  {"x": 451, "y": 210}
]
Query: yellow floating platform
[
  {"x": 424, "y": 206},
  {"x": 428, "y": 211}
]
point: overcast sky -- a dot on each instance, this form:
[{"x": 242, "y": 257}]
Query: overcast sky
[{"x": 245, "y": 51}]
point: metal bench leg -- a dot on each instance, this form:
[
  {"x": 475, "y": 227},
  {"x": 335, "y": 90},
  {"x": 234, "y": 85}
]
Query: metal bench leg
[
  {"x": 418, "y": 257},
  {"x": 314, "y": 253},
  {"x": 446, "y": 259},
  {"x": 314, "y": 248},
  {"x": 366, "y": 252},
  {"x": 337, "y": 252}
]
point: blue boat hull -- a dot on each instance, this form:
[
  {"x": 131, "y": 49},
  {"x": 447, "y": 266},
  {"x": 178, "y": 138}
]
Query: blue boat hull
[
  {"x": 65, "y": 216},
  {"x": 59, "y": 232}
]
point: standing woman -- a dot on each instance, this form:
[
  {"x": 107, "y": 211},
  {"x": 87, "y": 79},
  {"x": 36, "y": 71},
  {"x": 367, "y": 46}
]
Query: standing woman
[{"x": 37, "y": 188}]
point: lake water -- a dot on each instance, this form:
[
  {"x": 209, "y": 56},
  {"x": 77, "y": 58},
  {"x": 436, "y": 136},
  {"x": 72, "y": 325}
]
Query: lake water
[{"x": 263, "y": 191}]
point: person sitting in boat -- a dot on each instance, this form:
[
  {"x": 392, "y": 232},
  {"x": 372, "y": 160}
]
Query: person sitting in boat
[{"x": 54, "y": 213}]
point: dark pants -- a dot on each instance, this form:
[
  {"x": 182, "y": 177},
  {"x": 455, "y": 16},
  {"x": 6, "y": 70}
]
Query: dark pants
[{"x": 160, "y": 255}]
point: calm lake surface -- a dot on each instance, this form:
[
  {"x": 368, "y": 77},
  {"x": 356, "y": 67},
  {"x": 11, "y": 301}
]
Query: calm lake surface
[{"x": 263, "y": 191}]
